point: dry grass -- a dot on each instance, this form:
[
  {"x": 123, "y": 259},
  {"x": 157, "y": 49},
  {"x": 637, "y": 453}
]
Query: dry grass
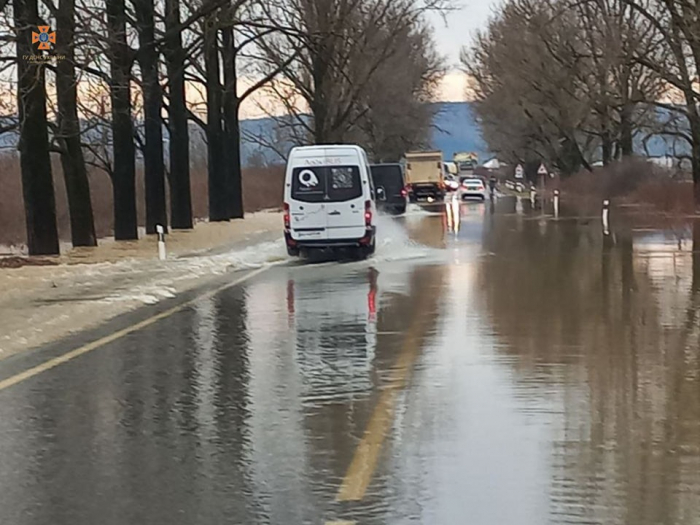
[
  {"x": 262, "y": 189},
  {"x": 667, "y": 196},
  {"x": 633, "y": 181}
]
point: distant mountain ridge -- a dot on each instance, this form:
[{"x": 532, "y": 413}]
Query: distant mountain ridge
[{"x": 455, "y": 128}]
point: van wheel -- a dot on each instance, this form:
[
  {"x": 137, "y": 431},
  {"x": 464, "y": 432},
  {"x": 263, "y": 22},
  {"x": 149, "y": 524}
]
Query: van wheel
[{"x": 292, "y": 252}]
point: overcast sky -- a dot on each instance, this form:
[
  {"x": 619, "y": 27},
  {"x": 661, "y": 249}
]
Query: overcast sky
[{"x": 460, "y": 26}]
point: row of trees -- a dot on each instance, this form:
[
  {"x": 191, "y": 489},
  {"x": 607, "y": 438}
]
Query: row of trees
[
  {"x": 139, "y": 71},
  {"x": 574, "y": 81}
]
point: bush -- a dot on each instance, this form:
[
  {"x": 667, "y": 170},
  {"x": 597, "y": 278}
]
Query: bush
[
  {"x": 633, "y": 181},
  {"x": 617, "y": 179}
]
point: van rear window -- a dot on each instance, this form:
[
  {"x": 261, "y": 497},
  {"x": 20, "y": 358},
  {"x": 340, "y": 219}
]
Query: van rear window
[
  {"x": 326, "y": 183},
  {"x": 390, "y": 177}
]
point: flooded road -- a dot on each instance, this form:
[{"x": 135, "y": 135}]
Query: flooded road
[{"x": 489, "y": 366}]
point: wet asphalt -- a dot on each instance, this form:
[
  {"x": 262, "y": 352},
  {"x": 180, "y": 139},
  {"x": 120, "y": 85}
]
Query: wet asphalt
[{"x": 490, "y": 365}]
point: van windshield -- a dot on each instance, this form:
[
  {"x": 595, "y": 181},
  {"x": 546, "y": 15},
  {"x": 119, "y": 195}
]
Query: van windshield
[{"x": 326, "y": 183}]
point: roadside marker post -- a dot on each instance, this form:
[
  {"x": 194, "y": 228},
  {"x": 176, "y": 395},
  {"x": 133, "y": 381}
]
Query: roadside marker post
[
  {"x": 606, "y": 217},
  {"x": 161, "y": 242},
  {"x": 556, "y": 204},
  {"x": 533, "y": 196}
]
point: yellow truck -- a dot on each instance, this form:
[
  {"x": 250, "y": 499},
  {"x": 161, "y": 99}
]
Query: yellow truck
[
  {"x": 466, "y": 162},
  {"x": 425, "y": 176}
]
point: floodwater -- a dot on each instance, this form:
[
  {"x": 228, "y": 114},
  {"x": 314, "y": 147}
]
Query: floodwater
[{"x": 490, "y": 365}]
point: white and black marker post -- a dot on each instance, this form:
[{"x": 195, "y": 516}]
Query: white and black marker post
[
  {"x": 161, "y": 242},
  {"x": 606, "y": 217},
  {"x": 533, "y": 196},
  {"x": 556, "y": 204}
]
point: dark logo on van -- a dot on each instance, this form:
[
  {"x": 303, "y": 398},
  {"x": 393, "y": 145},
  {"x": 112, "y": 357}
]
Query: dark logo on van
[{"x": 308, "y": 178}]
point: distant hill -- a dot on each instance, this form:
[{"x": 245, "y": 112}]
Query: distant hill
[{"x": 455, "y": 128}]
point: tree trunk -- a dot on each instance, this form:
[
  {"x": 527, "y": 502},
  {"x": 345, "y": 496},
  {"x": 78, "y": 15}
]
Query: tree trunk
[
  {"x": 695, "y": 283},
  {"x": 154, "y": 167},
  {"x": 234, "y": 180},
  {"x": 82, "y": 223},
  {"x": 319, "y": 104},
  {"x": 218, "y": 209},
  {"x": 607, "y": 147},
  {"x": 694, "y": 120},
  {"x": 123, "y": 151},
  {"x": 35, "y": 162},
  {"x": 180, "y": 192},
  {"x": 626, "y": 139}
]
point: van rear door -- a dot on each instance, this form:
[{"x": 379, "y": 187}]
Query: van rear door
[
  {"x": 345, "y": 202},
  {"x": 307, "y": 206}
]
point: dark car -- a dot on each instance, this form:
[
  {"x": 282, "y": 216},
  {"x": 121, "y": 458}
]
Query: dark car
[{"x": 390, "y": 185}]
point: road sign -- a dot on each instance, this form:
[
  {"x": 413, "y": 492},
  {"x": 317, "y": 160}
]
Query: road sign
[
  {"x": 519, "y": 172},
  {"x": 542, "y": 170}
]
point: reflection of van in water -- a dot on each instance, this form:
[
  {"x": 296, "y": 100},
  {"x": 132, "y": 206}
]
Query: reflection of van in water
[
  {"x": 329, "y": 200},
  {"x": 335, "y": 328}
]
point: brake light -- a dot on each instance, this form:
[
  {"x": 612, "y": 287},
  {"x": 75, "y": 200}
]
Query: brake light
[
  {"x": 368, "y": 214},
  {"x": 404, "y": 192},
  {"x": 287, "y": 220}
]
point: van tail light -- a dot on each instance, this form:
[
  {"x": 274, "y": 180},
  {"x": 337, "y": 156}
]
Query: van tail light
[
  {"x": 404, "y": 192},
  {"x": 368, "y": 214},
  {"x": 287, "y": 220}
]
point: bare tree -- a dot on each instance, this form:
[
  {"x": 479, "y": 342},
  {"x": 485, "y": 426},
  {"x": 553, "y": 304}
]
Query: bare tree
[
  {"x": 124, "y": 153},
  {"x": 558, "y": 80},
  {"x": 676, "y": 25},
  {"x": 154, "y": 166},
  {"x": 180, "y": 193},
  {"x": 341, "y": 45},
  {"x": 37, "y": 182},
  {"x": 218, "y": 208},
  {"x": 526, "y": 95},
  {"x": 400, "y": 113},
  {"x": 82, "y": 222}
]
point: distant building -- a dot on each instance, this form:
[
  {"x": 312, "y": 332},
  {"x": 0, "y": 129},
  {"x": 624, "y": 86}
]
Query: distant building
[{"x": 493, "y": 164}]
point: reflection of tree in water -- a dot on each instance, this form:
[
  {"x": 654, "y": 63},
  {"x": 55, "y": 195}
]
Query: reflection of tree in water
[{"x": 629, "y": 447}]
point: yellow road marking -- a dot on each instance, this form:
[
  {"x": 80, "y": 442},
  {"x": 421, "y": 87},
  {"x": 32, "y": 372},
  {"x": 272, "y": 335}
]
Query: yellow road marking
[
  {"x": 77, "y": 352},
  {"x": 364, "y": 462}
]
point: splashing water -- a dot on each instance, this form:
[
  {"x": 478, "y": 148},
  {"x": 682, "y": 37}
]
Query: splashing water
[{"x": 394, "y": 243}]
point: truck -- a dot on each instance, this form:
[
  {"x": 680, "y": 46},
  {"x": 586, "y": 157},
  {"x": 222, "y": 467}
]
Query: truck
[
  {"x": 425, "y": 176},
  {"x": 466, "y": 162}
]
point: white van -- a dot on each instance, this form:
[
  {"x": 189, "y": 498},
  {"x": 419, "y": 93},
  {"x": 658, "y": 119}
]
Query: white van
[{"x": 329, "y": 201}]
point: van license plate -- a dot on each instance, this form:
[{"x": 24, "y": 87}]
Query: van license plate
[{"x": 308, "y": 235}]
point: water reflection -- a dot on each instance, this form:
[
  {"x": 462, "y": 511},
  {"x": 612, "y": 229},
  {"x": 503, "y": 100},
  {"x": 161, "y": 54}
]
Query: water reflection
[
  {"x": 335, "y": 331},
  {"x": 616, "y": 341}
]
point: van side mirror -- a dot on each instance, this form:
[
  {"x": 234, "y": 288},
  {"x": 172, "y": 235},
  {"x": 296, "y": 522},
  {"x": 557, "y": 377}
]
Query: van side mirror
[{"x": 381, "y": 193}]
